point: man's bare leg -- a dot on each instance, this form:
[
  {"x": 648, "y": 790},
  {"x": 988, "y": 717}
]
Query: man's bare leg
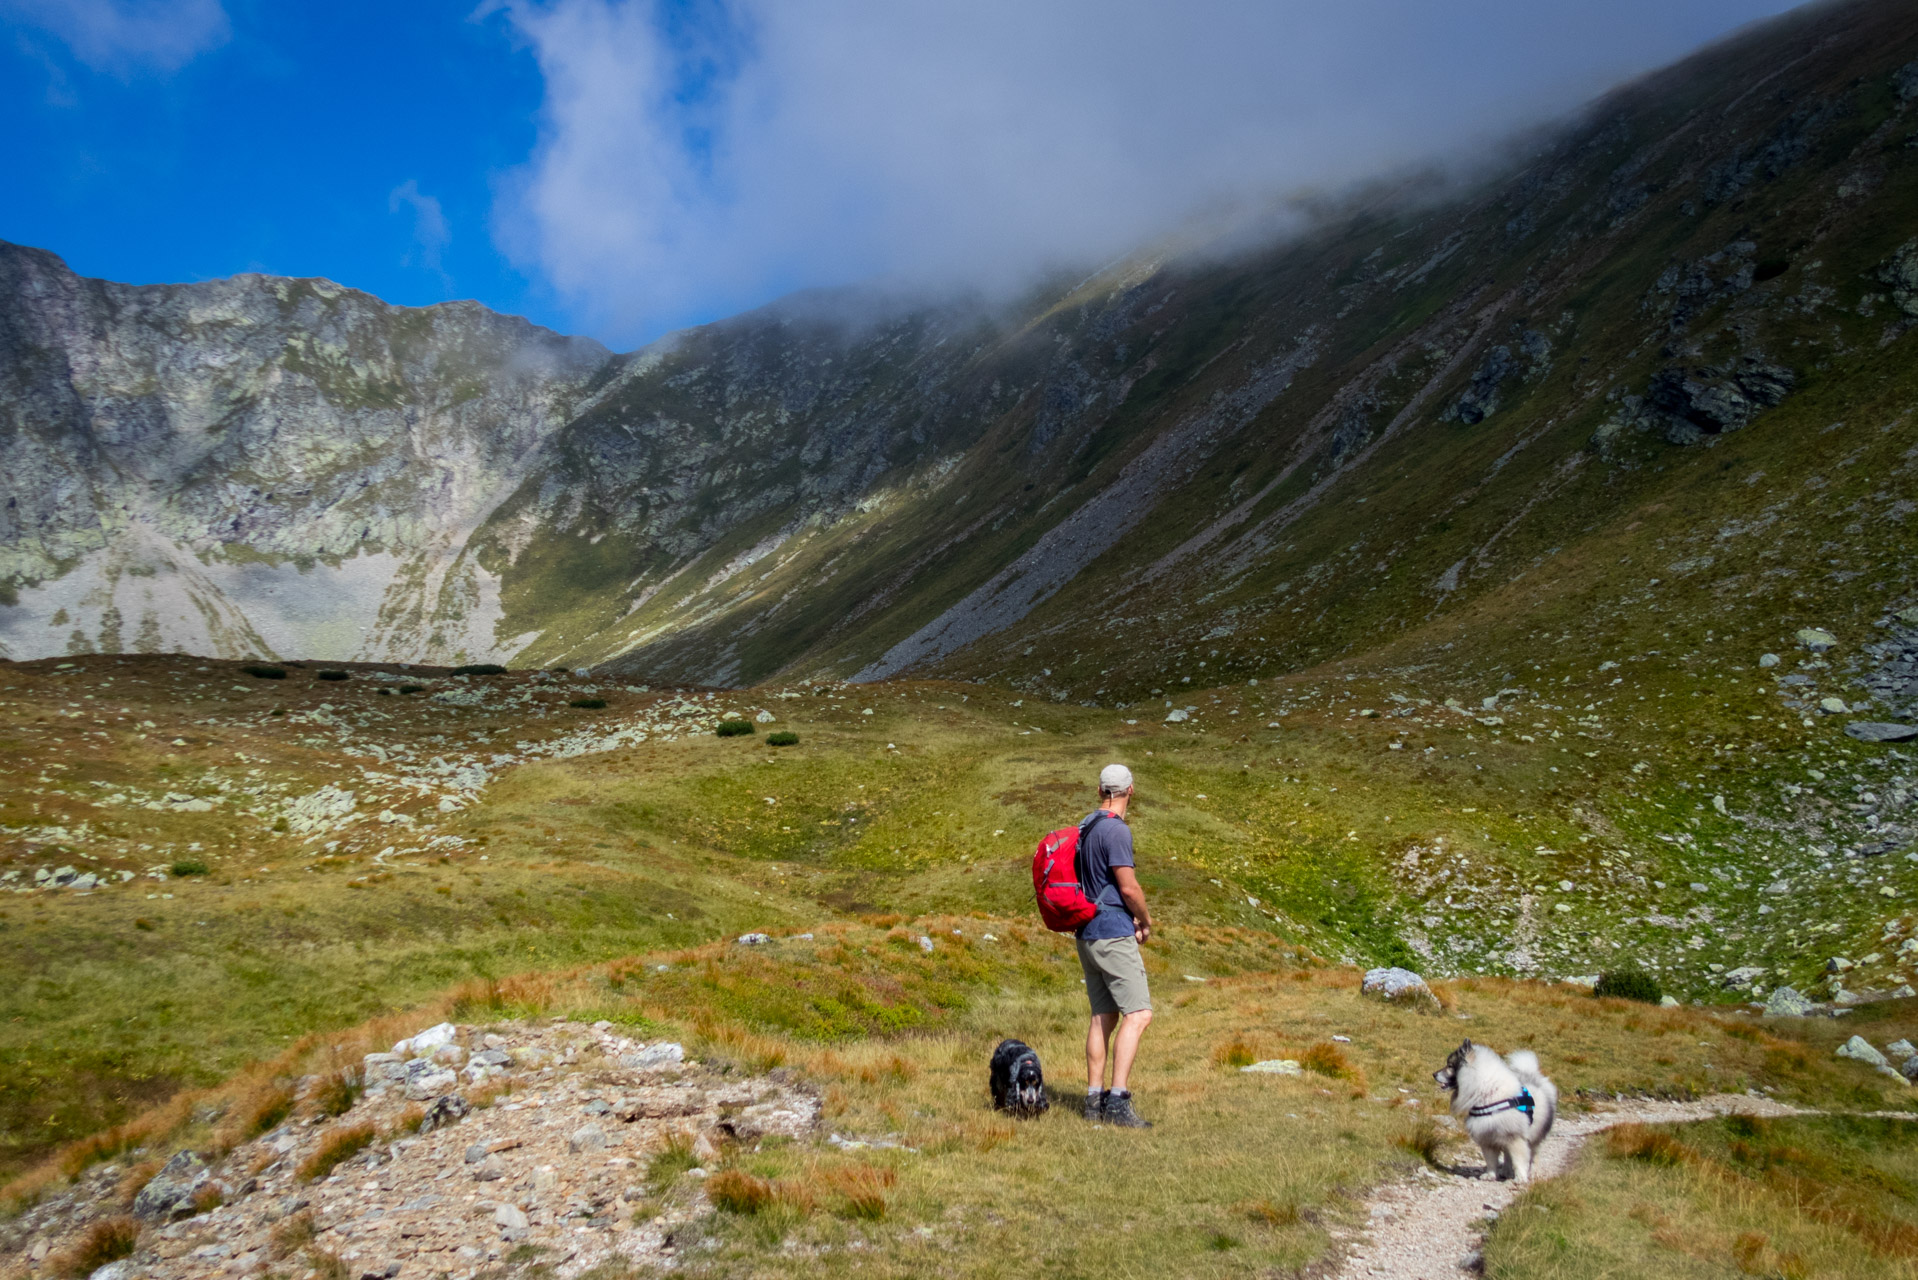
[
  {"x": 1125, "y": 1046},
  {"x": 1098, "y": 1031}
]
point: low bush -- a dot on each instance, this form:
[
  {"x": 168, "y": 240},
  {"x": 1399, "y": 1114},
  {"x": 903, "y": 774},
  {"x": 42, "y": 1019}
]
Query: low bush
[
  {"x": 734, "y": 728},
  {"x": 480, "y": 669},
  {"x": 412, "y": 688},
  {"x": 336, "y": 1150},
  {"x": 331, "y": 675},
  {"x": 1629, "y": 984},
  {"x": 587, "y": 704},
  {"x": 1235, "y": 1053},
  {"x": 189, "y": 867},
  {"x": 784, "y": 738},
  {"x": 1423, "y": 1140},
  {"x": 1327, "y": 1059},
  {"x": 265, "y": 672},
  {"x": 1641, "y": 1142},
  {"x": 862, "y": 1190}
]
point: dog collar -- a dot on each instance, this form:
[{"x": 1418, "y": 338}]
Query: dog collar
[{"x": 1521, "y": 1103}]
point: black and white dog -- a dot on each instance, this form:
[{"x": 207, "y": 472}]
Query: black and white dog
[{"x": 1018, "y": 1085}]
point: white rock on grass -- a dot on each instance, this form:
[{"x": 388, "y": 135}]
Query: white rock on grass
[
  {"x": 1786, "y": 1002},
  {"x": 1275, "y": 1067},
  {"x": 1399, "y": 986}
]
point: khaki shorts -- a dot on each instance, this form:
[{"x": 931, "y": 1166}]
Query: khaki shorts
[{"x": 1115, "y": 975}]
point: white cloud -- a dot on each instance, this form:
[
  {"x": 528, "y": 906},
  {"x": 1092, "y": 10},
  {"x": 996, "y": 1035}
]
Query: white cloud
[
  {"x": 691, "y": 166},
  {"x": 430, "y": 232},
  {"x": 121, "y": 36}
]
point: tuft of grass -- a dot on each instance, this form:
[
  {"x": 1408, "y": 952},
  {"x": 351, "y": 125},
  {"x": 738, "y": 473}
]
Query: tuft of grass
[
  {"x": 1643, "y": 1142},
  {"x": 290, "y": 1235},
  {"x": 1328, "y": 1059},
  {"x": 1235, "y": 1053},
  {"x": 275, "y": 1106},
  {"x": 107, "y": 1240},
  {"x": 734, "y": 728},
  {"x": 862, "y": 1190},
  {"x": 208, "y": 1198},
  {"x": 735, "y": 1191},
  {"x": 1629, "y": 984},
  {"x": 335, "y": 1150},
  {"x": 480, "y": 669},
  {"x": 331, "y": 675},
  {"x": 189, "y": 867},
  {"x": 410, "y": 688},
  {"x": 327, "y": 1266},
  {"x": 265, "y": 672},
  {"x": 338, "y": 1091},
  {"x": 1271, "y": 1213},
  {"x": 784, "y": 738},
  {"x": 588, "y": 704},
  {"x": 675, "y": 1158},
  {"x": 1422, "y": 1140}
]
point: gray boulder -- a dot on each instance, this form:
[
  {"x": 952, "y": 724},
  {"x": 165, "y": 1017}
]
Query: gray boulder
[
  {"x": 1742, "y": 977},
  {"x": 1785, "y": 1002},
  {"x": 653, "y": 1057},
  {"x": 1877, "y": 731},
  {"x": 1859, "y": 1049},
  {"x": 1399, "y": 986},
  {"x": 171, "y": 1190}
]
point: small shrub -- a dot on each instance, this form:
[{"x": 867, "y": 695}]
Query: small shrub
[
  {"x": 208, "y": 1198},
  {"x": 143, "y": 924},
  {"x": 107, "y": 1240},
  {"x": 588, "y": 704},
  {"x": 734, "y": 1191},
  {"x": 734, "y": 728},
  {"x": 327, "y": 1266},
  {"x": 410, "y": 1120},
  {"x": 480, "y": 669},
  {"x": 784, "y": 738},
  {"x": 265, "y": 673},
  {"x": 338, "y": 1092},
  {"x": 1629, "y": 984},
  {"x": 189, "y": 867},
  {"x": 331, "y": 675},
  {"x": 277, "y": 711},
  {"x": 412, "y": 688},
  {"x": 336, "y": 1150}
]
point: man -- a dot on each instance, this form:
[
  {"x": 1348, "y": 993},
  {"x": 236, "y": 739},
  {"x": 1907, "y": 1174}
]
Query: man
[{"x": 1109, "y": 951}]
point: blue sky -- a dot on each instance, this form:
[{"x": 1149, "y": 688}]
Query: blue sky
[{"x": 623, "y": 167}]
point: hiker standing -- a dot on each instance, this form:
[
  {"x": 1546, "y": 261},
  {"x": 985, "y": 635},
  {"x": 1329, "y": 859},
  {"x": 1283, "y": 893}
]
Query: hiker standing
[{"x": 1109, "y": 951}]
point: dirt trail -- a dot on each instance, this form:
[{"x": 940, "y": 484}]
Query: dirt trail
[{"x": 1427, "y": 1228}]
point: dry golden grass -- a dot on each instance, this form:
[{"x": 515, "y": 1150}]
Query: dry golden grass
[
  {"x": 106, "y": 1240},
  {"x": 335, "y": 1149}
]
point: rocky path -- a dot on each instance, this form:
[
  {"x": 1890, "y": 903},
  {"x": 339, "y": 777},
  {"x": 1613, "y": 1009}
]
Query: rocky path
[
  {"x": 1428, "y": 1227},
  {"x": 469, "y": 1143}
]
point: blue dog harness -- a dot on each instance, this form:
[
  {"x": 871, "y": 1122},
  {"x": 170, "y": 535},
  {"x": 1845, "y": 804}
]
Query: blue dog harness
[{"x": 1521, "y": 1103}]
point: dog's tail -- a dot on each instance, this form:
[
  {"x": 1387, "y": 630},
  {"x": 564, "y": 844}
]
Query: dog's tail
[{"x": 1524, "y": 1064}]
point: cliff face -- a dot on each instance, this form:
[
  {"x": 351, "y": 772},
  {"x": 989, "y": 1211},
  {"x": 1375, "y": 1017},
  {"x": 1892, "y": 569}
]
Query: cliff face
[
  {"x": 258, "y": 464},
  {"x": 1257, "y": 462}
]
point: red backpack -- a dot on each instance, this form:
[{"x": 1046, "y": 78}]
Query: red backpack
[{"x": 1063, "y": 904}]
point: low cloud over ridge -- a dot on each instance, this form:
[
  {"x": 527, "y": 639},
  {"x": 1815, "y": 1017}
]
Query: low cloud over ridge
[{"x": 700, "y": 158}]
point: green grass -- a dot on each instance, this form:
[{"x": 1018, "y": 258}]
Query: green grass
[{"x": 1799, "y": 1197}]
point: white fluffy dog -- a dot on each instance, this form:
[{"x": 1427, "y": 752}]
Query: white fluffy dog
[{"x": 1506, "y": 1104}]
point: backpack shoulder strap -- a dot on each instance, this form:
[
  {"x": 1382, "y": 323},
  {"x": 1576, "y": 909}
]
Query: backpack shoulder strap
[{"x": 1078, "y": 864}]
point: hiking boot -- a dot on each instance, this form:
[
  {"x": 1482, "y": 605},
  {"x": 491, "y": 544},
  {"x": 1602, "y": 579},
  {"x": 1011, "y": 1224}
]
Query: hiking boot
[
  {"x": 1096, "y": 1106},
  {"x": 1118, "y": 1111}
]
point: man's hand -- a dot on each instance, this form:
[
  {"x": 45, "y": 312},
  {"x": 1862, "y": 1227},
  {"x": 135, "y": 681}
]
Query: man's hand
[{"x": 1134, "y": 898}]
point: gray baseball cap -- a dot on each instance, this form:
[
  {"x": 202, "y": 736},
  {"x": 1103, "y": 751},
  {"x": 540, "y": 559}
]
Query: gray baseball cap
[{"x": 1115, "y": 778}]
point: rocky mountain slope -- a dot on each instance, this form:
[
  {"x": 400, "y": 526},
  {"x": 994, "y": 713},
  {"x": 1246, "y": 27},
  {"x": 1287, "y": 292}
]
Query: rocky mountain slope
[{"x": 1345, "y": 440}]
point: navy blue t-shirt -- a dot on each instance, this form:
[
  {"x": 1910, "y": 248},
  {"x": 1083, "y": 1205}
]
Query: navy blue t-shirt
[{"x": 1108, "y": 845}]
